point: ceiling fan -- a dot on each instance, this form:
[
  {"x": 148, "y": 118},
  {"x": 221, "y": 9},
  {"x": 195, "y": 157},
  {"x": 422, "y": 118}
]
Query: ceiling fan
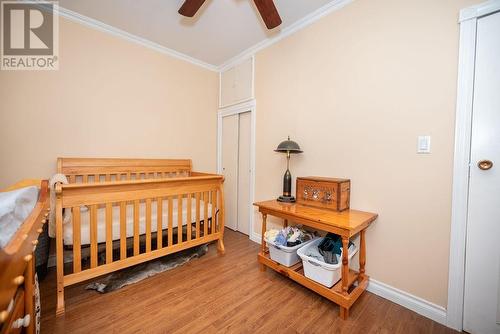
[{"x": 266, "y": 8}]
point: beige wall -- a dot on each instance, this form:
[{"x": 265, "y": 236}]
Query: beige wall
[
  {"x": 355, "y": 90},
  {"x": 110, "y": 98}
]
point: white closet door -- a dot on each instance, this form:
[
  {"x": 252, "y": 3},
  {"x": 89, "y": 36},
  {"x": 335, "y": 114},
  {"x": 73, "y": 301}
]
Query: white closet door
[
  {"x": 244, "y": 173},
  {"x": 482, "y": 268},
  {"x": 230, "y": 169}
]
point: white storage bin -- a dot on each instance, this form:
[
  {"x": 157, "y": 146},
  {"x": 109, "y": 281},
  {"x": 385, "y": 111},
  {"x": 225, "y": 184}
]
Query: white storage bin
[
  {"x": 284, "y": 255},
  {"x": 320, "y": 271}
]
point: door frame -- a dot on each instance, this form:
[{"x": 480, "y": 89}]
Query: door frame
[
  {"x": 240, "y": 108},
  {"x": 461, "y": 165}
]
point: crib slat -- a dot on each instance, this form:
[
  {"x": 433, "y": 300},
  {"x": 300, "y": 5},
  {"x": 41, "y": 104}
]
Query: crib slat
[
  {"x": 215, "y": 208},
  {"x": 128, "y": 176},
  {"x": 109, "y": 233},
  {"x": 136, "y": 227},
  {"x": 97, "y": 178},
  {"x": 189, "y": 219},
  {"x": 148, "y": 225},
  {"x": 123, "y": 231},
  {"x": 85, "y": 178},
  {"x": 159, "y": 223},
  {"x": 71, "y": 178},
  {"x": 170, "y": 223},
  {"x": 205, "y": 213},
  {"x": 212, "y": 220},
  {"x": 93, "y": 236},
  {"x": 179, "y": 219},
  {"x": 77, "y": 258},
  {"x": 108, "y": 177},
  {"x": 197, "y": 215},
  {"x": 209, "y": 199},
  {"x": 220, "y": 216}
]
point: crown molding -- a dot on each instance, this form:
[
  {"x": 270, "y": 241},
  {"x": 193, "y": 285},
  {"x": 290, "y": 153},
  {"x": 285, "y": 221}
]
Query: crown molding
[
  {"x": 482, "y": 9},
  {"x": 101, "y": 26},
  {"x": 285, "y": 32},
  {"x": 293, "y": 28}
]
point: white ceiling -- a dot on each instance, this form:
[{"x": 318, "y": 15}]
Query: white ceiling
[{"x": 221, "y": 29}]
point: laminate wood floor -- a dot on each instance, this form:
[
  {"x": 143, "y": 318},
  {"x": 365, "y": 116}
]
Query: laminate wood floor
[{"x": 225, "y": 294}]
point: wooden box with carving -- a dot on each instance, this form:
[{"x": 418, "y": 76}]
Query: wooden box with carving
[{"x": 324, "y": 192}]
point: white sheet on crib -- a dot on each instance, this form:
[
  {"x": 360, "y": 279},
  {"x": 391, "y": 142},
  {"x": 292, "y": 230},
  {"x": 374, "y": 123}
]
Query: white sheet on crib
[
  {"x": 101, "y": 220},
  {"x": 15, "y": 207}
]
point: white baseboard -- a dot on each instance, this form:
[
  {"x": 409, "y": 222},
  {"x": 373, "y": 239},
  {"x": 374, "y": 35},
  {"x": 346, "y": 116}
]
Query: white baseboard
[
  {"x": 255, "y": 237},
  {"x": 409, "y": 301},
  {"x": 400, "y": 297}
]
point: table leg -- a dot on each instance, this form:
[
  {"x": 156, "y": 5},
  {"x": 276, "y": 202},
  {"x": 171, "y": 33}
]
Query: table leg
[
  {"x": 344, "y": 313},
  {"x": 345, "y": 265},
  {"x": 263, "y": 242},
  {"x": 362, "y": 256}
]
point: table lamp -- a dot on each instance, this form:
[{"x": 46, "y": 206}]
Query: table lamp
[{"x": 288, "y": 147}]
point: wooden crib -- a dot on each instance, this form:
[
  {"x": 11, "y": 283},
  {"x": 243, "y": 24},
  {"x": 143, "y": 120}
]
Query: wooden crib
[
  {"x": 17, "y": 268},
  {"x": 137, "y": 205}
]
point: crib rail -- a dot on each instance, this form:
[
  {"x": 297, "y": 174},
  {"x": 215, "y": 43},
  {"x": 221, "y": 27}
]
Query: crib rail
[
  {"x": 93, "y": 170},
  {"x": 148, "y": 199}
]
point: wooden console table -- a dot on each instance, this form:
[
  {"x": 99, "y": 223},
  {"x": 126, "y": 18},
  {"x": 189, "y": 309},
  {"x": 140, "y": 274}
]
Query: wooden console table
[{"x": 346, "y": 224}]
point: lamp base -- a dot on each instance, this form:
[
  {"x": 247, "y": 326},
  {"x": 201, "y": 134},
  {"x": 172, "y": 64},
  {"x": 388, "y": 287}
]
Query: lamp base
[{"x": 286, "y": 199}]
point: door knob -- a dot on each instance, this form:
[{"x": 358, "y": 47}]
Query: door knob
[{"x": 485, "y": 164}]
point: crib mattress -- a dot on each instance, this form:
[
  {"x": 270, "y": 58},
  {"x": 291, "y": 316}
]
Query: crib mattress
[{"x": 101, "y": 220}]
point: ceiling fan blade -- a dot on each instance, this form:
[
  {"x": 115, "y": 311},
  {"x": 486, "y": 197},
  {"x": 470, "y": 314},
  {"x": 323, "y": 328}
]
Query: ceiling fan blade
[
  {"x": 190, "y": 7},
  {"x": 269, "y": 13}
]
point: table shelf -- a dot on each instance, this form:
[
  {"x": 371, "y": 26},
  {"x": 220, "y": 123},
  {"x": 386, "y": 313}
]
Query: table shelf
[
  {"x": 347, "y": 224},
  {"x": 334, "y": 294}
]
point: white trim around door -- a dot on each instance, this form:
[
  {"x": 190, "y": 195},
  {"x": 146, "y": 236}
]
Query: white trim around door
[
  {"x": 463, "y": 126},
  {"x": 249, "y": 106}
]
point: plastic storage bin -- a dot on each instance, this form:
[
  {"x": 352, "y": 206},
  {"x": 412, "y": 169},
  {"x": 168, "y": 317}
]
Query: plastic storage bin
[
  {"x": 320, "y": 271},
  {"x": 286, "y": 256}
]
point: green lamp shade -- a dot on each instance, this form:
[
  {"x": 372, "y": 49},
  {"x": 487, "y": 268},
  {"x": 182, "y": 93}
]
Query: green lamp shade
[{"x": 288, "y": 146}]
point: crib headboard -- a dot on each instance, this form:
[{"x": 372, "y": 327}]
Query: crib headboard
[{"x": 84, "y": 170}]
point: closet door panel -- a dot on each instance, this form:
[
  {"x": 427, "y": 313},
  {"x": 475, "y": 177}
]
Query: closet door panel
[
  {"x": 230, "y": 169},
  {"x": 244, "y": 81},
  {"x": 236, "y": 84},
  {"x": 244, "y": 173},
  {"x": 228, "y": 87}
]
